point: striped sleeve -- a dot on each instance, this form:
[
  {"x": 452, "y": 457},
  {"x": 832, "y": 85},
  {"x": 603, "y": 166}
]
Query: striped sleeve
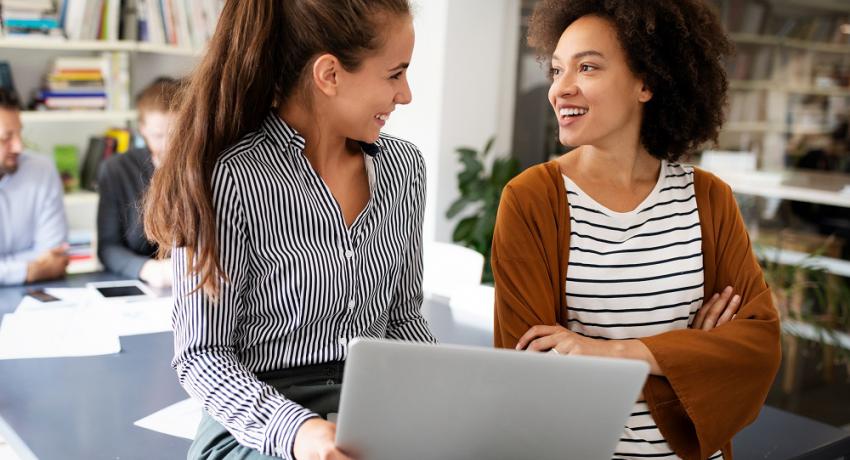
[
  {"x": 406, "y": 321},
  {"x": 205, "y": 335}
]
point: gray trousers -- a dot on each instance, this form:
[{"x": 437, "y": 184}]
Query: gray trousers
[{"x": 315, "y": 387}]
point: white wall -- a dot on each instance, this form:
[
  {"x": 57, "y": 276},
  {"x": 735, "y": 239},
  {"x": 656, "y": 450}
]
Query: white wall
[{"x": 463, "y": 78}]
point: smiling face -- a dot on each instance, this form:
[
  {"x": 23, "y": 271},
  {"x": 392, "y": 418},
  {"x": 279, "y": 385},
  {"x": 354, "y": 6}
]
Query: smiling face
[
  {"x": 366, "y": 97},
  {"x": 11, "y": 143},
  {"x": 596, "y": 97}
]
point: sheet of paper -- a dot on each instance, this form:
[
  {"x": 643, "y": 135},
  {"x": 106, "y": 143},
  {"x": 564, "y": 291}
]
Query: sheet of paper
[
  {"x": 57, "y": 332},
  {"x": 135, "y": 317},
  {"x": 179, "y": 419},
  {"x": 76, "y": 295},
  {"x": 121, "y": 317}
]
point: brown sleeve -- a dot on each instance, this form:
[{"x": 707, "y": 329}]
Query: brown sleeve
[
  {"x": 522, "y": 269},
  {"x": 721, "y": 377}
]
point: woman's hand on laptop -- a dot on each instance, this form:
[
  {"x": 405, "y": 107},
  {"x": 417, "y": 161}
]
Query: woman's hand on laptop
[
  {"x": 315, "y": 441},
  {"x": 558, "y": 339},
  {"x": 562, "y": 341}
]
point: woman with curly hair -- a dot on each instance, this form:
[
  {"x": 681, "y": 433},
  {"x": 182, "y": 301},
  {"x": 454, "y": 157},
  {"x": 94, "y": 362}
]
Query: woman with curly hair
[{"x": 616, "y": 249}]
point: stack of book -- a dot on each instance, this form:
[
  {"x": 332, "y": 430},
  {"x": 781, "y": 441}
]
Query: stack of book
[
  {"x": 90, "y": 83},
  {"x": 75, "y": 83},
  {"x": 81, "y": 252},
  {"x": 31, "y": 18}
]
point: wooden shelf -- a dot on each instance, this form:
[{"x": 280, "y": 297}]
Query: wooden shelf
[
  {"x": 59, "y": 44},
  {"x": 769, "y": 85},
  {"x": 790, "y": 43},
  {"x": 72, "y": 116}
]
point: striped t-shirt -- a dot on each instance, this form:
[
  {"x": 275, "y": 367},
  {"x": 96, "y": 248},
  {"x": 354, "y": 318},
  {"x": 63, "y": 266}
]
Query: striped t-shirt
[
  {"x": 302, "y": 283},
  {"x": 636, "y": 274}
]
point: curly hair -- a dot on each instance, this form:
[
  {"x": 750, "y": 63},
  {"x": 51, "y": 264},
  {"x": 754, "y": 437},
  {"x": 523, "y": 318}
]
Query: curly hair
[{"x": 676, "y": 47}]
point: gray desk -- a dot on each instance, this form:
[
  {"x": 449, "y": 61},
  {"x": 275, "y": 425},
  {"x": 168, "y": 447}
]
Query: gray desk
[{"x": 84, "y": 408}]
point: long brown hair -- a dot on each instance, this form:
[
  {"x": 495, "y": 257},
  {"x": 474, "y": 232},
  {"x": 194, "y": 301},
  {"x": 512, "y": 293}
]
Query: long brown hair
[{"x": 256, "y": 60}]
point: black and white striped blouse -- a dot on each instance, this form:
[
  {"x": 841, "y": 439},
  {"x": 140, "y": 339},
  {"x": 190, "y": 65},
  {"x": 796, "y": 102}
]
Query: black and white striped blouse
[
  {"x": 636, "y": 274},
  {"x": 302, "y": 284}
]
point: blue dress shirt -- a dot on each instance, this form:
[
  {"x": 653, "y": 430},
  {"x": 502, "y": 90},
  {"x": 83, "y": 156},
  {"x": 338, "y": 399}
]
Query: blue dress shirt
[{"x": 32, "y": 216}]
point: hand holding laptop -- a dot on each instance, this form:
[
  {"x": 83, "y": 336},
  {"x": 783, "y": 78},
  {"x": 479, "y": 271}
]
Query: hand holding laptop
[{"x": 315, "y": 440}]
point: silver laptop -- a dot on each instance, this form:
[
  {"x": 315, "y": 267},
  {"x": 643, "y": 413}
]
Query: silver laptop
[{"x": 403, "y": 400}]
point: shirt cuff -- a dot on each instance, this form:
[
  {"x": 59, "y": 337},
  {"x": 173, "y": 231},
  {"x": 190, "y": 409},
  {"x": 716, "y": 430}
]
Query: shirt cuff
[
  {"x": 14, "y": 273},
  {"x": 283, "y": 426}
]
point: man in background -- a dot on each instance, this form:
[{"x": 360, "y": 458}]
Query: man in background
[
  {"x": 122, "y": 183},
  {"x": 33, "y": 228}
]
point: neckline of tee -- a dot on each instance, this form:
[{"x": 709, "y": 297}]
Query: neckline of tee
[{"x": 608, "y": 212}]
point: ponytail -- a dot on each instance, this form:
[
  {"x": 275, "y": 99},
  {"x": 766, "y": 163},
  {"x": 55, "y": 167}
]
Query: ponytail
[{"x": 255, "y": 61}]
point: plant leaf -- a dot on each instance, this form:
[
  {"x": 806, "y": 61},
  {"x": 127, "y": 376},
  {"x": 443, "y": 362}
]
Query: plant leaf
[
  {"x": 456, "y": 207},
  {"x": 488, "y": 146},
  {"x": 464, "y": 229}
]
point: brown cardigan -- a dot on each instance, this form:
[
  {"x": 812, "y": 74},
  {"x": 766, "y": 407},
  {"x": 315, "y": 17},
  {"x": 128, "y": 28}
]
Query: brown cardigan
[{"x": 715, "y": 382}]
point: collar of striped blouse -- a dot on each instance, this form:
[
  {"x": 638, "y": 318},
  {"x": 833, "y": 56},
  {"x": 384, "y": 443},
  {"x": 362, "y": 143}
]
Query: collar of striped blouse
[
  {"x": 371, "y": 149},
  {"x": 283, "y": 133}
]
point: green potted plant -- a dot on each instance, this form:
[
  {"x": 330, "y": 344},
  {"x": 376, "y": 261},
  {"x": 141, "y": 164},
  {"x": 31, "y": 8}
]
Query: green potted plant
[
  {"x": 813, "y": 304},
  {"x": 480, "y": 189}
]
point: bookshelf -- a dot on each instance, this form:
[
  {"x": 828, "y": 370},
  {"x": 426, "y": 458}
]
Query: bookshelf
[
  {"x": 790, "y": 78},
  {"x": 756, "y": 39},
  {"x": 789, "y": 91}
]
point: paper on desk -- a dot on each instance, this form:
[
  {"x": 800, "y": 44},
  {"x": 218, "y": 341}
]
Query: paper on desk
[
  {"x": 179, "y": 419},
  {"x": 56, "y": 332},
  {"x": 76, "y": 295},
  {"x": 135, "y": 317},
  {"x": 121, "y": 317},
  {"x": 845, "y": 190}
]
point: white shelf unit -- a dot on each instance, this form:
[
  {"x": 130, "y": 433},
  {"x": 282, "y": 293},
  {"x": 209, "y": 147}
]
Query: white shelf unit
[
  {"x": 51, "y": 44},
  {"x": 754, "y": 39},
  {"x": 768, "y": 127},
  {"x": 813, "y": 333},
  {"x": 82, "y": 198},
  {"x": 770, "y": 85},
  {"x": 812, "y": 187},
  {"x": 784, "y": 256},
  {"x": 81, "y": 116},
  {"x": 31, "y": 59}
]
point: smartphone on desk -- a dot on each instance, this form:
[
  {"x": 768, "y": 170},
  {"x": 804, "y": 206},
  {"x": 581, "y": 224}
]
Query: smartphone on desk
[{"x": 41, "y": 296}]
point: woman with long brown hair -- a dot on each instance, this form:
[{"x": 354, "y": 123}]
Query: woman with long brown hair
[{"x": 295, "y": 224}]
